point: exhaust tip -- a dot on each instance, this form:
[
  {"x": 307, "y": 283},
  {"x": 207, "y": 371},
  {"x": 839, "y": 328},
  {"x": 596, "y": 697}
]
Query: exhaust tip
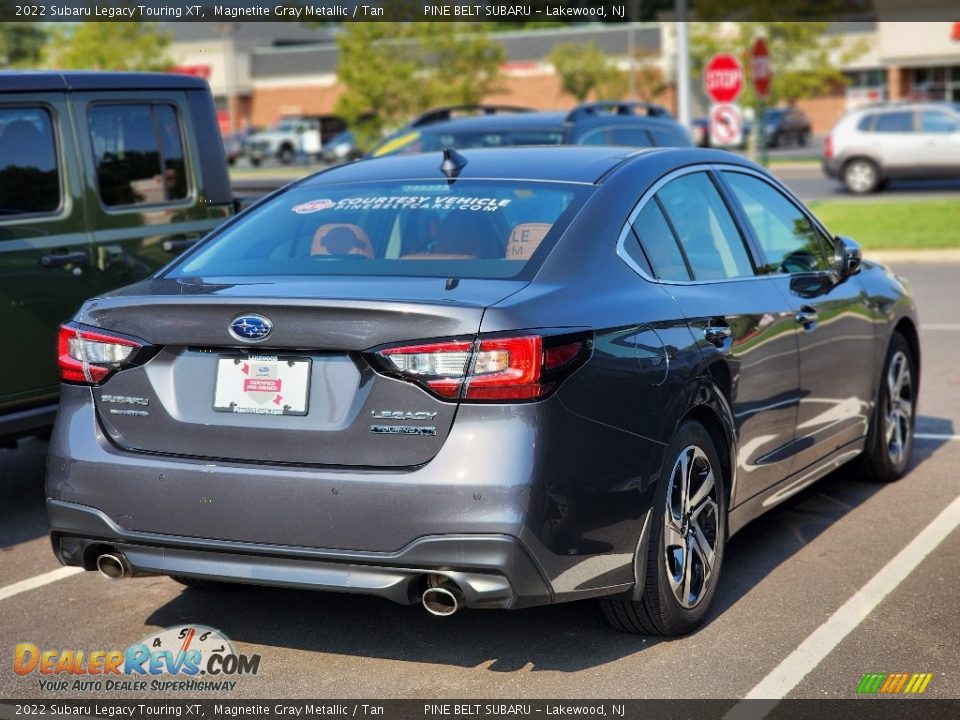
[
  {"x": 113, "y": 567},
  {"x": 440, "y": 601}
]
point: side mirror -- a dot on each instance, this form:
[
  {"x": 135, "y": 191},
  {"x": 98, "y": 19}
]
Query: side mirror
[{"x": 848, "y": 256}]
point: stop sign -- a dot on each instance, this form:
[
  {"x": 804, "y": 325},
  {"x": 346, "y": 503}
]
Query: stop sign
[
  {"x": 723, "y": 78},
  {"x": 760, "y": 67}
]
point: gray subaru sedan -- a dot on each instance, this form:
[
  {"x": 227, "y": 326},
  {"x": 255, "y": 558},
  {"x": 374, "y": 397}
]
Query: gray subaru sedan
[{"x": 494, "y": 379}]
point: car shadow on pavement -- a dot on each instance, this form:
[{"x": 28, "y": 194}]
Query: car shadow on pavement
[
  {"x": 23, "y": 514},
  {"x": 565, "y": 638}
]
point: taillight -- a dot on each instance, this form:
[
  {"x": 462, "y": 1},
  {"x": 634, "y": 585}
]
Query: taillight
[
  {"x": 89, "y": 356},
  {"x": 501, "y": 369},
  {"x": 828, "y": 147}
]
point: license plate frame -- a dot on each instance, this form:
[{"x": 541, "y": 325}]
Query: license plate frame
[{"x": 243, "y": 385}]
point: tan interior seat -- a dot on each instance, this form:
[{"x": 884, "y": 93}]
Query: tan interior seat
[
  {"x": 341, "y": 239},
  {"x": 525, "y": 239}
]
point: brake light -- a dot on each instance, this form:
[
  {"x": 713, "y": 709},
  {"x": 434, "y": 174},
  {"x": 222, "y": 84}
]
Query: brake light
[
  {"x": 828, "y": 147},
  {"x": 89, "y": 356},
  {"x": 491, "y": 368}
]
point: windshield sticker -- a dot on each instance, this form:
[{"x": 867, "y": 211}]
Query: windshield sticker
[
  {"x": 405, "y": 202},
  {"x": 313, "y": 206}
]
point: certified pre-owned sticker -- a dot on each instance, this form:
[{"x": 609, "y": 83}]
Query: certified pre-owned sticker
[{"x": 313, "y": 206}]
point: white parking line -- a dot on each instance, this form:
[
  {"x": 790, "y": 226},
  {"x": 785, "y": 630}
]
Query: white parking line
[
  {"x": 798, "y": 664},
  {"x": 38, "y": 581},
  {"x": 935, "y": 436}
]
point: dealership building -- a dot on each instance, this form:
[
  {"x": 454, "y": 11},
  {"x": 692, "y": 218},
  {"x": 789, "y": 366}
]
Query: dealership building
[{"x": 262, "y": 71}]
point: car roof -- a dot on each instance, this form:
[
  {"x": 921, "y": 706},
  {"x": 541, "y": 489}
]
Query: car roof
[
  {"x": 40, "y": 81},
  {"x": 586, "y": 164},
  {"x": 493, "y": 123},
  {"x": 558, "y": 163}
]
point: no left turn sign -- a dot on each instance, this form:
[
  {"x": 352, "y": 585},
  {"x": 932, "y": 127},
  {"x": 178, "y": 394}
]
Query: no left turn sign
[{"x": 726, "y": 126}]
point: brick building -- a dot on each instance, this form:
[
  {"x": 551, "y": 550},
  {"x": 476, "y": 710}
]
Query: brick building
[{"x": 275, "y": 69}]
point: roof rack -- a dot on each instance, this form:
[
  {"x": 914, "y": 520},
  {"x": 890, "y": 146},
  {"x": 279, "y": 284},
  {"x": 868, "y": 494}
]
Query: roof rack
[
  {"x": 447, "y": 113},
  {"x": 617, "y": 107}
]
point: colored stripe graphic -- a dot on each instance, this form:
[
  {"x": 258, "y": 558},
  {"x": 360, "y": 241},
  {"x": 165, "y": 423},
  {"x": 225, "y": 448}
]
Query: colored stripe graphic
[{"x": 894, "y": 683}]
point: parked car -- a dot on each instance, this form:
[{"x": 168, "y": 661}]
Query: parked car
[
  {"x": 235, "y": 146},
  {"x": 342, "y": 148},
  {"x": 631, "y": 124},
  {"x": 493, "y": 379},
  {"x": 104, "y": 177},
  {"x": 870, "y": 147},
  {"x": 294, "y": 136},
  {"x": 783, "y": 126}
]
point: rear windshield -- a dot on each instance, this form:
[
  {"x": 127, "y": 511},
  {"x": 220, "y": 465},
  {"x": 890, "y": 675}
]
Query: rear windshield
[{"x": 468, "y": 229}]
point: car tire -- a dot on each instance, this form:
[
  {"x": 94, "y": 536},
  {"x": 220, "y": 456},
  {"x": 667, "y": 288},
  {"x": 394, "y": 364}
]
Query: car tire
[
  {"x": 889, "y": 445},
  {"x": 206, "y": 585},
  {"x": 861, "y": 176},
  {"x": 804, "y": 138},
  {"x": 286, "y": 155},
  {"x": 255, "y": 162},
  {"x": 680, "y": 579}
]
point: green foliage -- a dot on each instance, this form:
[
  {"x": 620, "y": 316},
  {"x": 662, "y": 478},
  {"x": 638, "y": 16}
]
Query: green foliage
[
  {"x": 584, "y": 68},
  {"x": 805, "y": 60},
  {"x": 393, "y": 71},
  {"x": 21, "y": 44},
  {"x": 109, "y": 46}
]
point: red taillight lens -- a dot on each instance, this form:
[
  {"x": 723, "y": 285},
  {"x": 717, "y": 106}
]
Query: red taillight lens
[
  {"x": 828, "y": 147},
  {"x": 88, "y": 356},
  {"x": 493, "y": 369}
]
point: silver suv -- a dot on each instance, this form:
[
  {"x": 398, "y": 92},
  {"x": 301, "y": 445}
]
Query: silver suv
[{"x": 869, "y": 147}]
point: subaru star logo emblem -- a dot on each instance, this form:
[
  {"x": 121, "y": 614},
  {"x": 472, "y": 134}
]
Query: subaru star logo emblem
[{"x": 250, "y": 328}]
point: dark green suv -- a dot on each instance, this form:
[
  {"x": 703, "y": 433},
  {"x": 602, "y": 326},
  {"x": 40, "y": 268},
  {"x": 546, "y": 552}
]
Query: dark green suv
[{"x": 104, "y": 177}]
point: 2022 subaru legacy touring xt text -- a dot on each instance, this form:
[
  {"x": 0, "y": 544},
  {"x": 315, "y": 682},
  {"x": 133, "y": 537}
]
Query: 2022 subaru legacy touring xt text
[{"x": 497, "y": 379}]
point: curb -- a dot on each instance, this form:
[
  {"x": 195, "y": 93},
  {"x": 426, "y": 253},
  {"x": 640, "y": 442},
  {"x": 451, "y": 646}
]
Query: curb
[{"x": 945, "y": 255}]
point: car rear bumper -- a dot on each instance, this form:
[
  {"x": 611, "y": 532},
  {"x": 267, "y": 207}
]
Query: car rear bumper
[
  {"x": 510, "y": 509},
  {"x": 831, "y": 167},
  {"x": 491, "y": 571}
]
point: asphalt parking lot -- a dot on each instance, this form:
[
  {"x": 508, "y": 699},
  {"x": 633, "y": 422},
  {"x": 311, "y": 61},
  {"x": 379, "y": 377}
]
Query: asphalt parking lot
[{"x": 786, "y": 577}]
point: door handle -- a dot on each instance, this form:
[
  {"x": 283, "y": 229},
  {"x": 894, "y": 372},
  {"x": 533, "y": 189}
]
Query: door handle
[
  {"x": 807, "y": 317},
  {"x": 52, "y": 260},
  {"x": 717, "y": 334}
]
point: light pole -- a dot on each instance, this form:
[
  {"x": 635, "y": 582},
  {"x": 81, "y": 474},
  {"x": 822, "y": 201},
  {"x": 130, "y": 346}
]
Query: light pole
[{"x": 683, "y": 64}]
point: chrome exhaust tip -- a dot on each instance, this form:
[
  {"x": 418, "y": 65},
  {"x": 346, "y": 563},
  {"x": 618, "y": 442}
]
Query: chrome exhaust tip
[
  {"x": 440, "y": 601},
  {"x": 113, "y": 566}
]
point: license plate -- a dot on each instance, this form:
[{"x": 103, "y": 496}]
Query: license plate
[{"x": 262, "y": 385}]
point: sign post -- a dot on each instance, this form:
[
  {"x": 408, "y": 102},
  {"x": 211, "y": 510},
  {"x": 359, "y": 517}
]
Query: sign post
[
  {"x": 761, "y": 73},
  {"x": 723, "y": 83}
]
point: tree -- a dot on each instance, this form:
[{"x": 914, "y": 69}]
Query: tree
[
  {"x": 584, "y": 68},
  {"x": 392, "y": 71},
  {"x": 109, "y": 46},
  {"x": 21, "y": 44},
  {"x": 805, "y": 60}
]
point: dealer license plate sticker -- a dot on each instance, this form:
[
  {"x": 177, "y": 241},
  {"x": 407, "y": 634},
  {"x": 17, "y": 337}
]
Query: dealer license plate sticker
[{"x": 262, "y": 385}]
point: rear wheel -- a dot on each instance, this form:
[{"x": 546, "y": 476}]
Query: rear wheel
[
  {"x": 890, "y": 440},
  {"x": 861, "y": 176},
  {"x": 686, "y": 546},
  {"x": 286, "y": 155}
]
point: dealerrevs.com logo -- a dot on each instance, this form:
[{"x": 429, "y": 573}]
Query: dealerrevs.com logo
[{"x": 188, "y": 658}]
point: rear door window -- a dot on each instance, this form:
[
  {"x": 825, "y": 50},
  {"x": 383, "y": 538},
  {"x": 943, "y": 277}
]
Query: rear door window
[
  {"x": 789, "y": 240},
  {"x": 630, "y": 137},
  {"x": 894, "y": 122},
  {"x": 472, "y": 229},
  {"x": 665, "y": 138},
  {"x": 29, "y": 178},
  {"x": 708, "y": 235},
  {"x": 139, "y": 155},
  {"x": 659, "y": 243}
]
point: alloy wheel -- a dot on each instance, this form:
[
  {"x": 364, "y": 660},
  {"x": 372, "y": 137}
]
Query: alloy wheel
[
  {"x": 899, "y": 410},
  {"x": 861, "y": 177},
  {"x": 692, "y": 526}
]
